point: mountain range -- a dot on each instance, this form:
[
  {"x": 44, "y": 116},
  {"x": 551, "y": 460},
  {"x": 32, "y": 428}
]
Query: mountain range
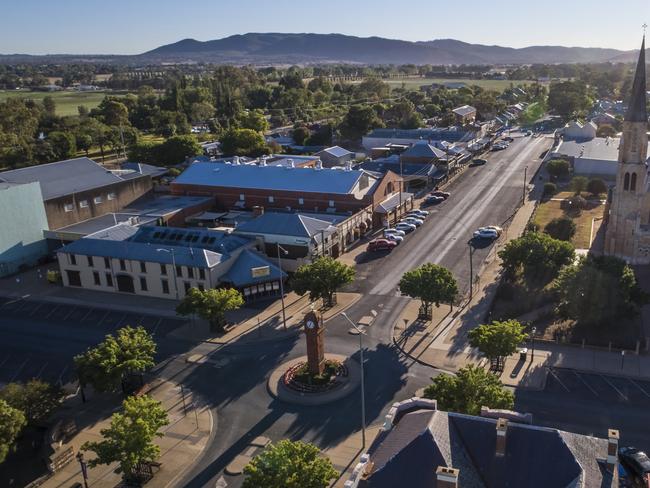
[{"x": 279, "y": 48}]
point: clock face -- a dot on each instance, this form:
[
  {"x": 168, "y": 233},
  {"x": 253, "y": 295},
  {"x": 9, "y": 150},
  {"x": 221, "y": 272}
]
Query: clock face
[{"x": 311, "y": 324}]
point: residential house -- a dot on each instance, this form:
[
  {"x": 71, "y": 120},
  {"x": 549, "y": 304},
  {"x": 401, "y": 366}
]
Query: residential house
[
  {"x": 335, "y": 156},
  {"x": 464, "y": 115}
]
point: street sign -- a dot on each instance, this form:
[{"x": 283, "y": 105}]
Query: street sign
[{"x": 261, "y": 271}]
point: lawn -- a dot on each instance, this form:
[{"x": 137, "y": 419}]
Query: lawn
[
  {"x": 415, "y": 82},
  {"x": 66, "y": 101},
  {"x": 533, "y": 112}
]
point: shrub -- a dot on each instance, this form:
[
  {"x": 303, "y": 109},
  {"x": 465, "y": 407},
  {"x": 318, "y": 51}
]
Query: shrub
[
  {"x": 550, "y": 189},
  {"x": 596, "y": 186},
  {"x": 579, "y": 184},
  {"x": 562, "y": 228}
]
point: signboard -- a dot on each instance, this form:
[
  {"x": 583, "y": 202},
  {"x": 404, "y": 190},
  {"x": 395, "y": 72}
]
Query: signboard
[{"x": 260, "y": 271}]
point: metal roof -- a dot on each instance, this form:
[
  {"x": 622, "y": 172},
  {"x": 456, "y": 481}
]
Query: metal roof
[
  {"x": 603, "y": 148},
  {"x": 308, "y": 180},
  {"x": 435, "y": 134},
  {"x": 336, "y": 151},
  {"x": 240, "y": 274},
  {"x": 287, "y": 224},
  {"x": 423, "y": 149},
  {"x": 464, "y": 110}
]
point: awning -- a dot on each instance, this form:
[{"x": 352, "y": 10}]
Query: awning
[{"x": 391, "y": 203}]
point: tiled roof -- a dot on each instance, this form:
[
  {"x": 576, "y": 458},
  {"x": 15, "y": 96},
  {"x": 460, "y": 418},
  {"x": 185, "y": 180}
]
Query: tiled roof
[{"x": 270, "y": 178}]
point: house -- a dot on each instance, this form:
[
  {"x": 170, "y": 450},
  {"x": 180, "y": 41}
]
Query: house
[
  {"x": 79, "y": 189},
  {"x": 383, "y": 137},
  {"x": 423, "y": 153},
  {"x": 576, "y": 130},
  {"x": 464, "y": 115},
  {"x": 420, "y": 446},
  {"x": 592, "y": 157},
  {"x": 23, "y": 220},
  {"x": 165, "y": 262},
  {"x": 335, "y": 156}
]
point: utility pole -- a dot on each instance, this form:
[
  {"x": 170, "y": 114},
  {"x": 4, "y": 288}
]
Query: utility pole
[
  {"x": 523, "y": 195},
  {"x": 360, "y": 332},
  {"x": 84, "y": 468},
  {"x": 284, "y": 317},
  {"x": 471, "y": 270}
]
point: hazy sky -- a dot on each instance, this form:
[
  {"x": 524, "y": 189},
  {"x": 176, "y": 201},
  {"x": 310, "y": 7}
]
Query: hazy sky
[{"x": 135, "y": 26}]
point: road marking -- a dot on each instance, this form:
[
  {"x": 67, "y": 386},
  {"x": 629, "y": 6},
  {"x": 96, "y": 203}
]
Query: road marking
[
  {"x": 613, "y": 386},
  {"x": 582, "y": 380},
  {"x": 119, "y": 322},
  {"x": 5, "y": 360},
  {"x": 139, "y": 321},
  {"x": 60, "y": 379},
  {"x": 36, "y": 309},
  {"x": 550, "y": 370},
  {"x": 20, "y": 309},
  {"x": 51, "y": 311},
  {"x": 155, "y": 327},
  {"x": 104, "y": 317},
  {"x": 639, "y": 387},
  {"x": 69, "y": 313},
  {"x": 90, "y": 310},
  {"x": 19, "y": 369},
  {"x": 40, "y": 371}
]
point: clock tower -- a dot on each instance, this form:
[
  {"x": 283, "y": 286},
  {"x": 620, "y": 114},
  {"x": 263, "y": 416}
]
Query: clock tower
[{"x": 315, "y": 345}]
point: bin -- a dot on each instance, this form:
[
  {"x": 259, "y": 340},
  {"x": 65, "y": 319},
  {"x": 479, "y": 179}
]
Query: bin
[{"x": 523, "y": 353}]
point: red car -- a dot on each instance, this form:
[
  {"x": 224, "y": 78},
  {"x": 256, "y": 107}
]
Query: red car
[{"x": 381, "y": 245}]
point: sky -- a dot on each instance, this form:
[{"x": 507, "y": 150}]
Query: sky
[{"x": 136, "y": 26}]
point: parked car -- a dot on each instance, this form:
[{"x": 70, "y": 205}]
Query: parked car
[
  {"x": 433, "y": 200},
  {"x": 498, "y": 147},
  {"x": 484, "y": 233},
  {"x": 636, "y": 461},
  {"x": 406, "y": 227},
  {"x": 413, "y": 220},
  {"x": 417, "y": 213},
  {"x": 478, "y": 162},
  {"x": 509, "y": 139},
  {"x": 528, "y": 133},
  {"x": 442, "y": 194},
  {"x": 496, "y": 228},
  {"x": 394, "y": 232},
  {"x": 394, "y": 237},
  {"x": 381, "y": 245}
]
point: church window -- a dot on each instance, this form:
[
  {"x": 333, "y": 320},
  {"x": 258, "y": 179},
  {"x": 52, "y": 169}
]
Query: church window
[
  {"x": 626, "y": 182},
  {"x": 633, "y": 182}
]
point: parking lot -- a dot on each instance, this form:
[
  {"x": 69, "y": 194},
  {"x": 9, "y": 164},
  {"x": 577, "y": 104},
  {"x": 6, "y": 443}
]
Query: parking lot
[
  {"x": 39, "y": 339},
  {"x": 596, "y": 386}
]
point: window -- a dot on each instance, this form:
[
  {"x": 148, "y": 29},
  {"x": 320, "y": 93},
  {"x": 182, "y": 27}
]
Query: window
[
  {"x": 165, "y": 287},
  {"x": 270, "y": 199},
  {"x": 68, "y": 207},
  {"x": 201, "y": 273},
  {"x": 331, "y": 204},
  {"x": 633, "y": 182},
  {"x": 163, "y": 269},
  {"x": 90, "y": 261},
  {"x": 626, "y": 182},
  {"x": 143, "y": 267},
  {"x": 242, "y": 197},
  {"x": 301, "y": 201},
  {"x": 107, "y": 263},
  {"x": 109, "y": 279},
  {"x": 143, "y": 284},
  {"x": 73, "y": 259},
  {"x": 179, "y": 271},
  {"x": 190, "y": 272},
  {"x": 122, "y": 265},
  {"x": 96, "y": 278},
  {"x": 112, "y": 196},
  {"x": 83, "y": 203},
  {"x": 201, "y": 288},
  {"x": 187, "y": 285},
  {"x": 98, "y": 200}
]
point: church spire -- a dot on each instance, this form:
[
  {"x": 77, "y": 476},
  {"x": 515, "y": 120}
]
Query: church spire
[{"x": 636, "y": 111}]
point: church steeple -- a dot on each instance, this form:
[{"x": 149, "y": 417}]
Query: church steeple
[{"x": 636, "y": 111}]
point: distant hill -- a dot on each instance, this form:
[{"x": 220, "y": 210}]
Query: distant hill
[{"x": 278, "y": 48}]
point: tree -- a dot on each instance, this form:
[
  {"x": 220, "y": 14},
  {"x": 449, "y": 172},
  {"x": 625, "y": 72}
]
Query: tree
[
  {"x": 300, "y": 135},
  {"x": 177, "y": 148},
  {"x": 12, "y": 421},
  {"x": 63, "y": 144},
  {"x": 579, "y": 184},
  {"x": 243, "y": 142},
  {"x": 550, "y": 189},
  {"x": 468, "y": 391},
  {"x": 359, "y": 120},
  {"x": 254, "y": 120},
  {"x": 561, "y": 228},
  {"x": 606, "y": 130},
  {"x": 598, "y": 290},
  {"x": 211, "y": 305},
  {"x": 49, "y": 105},
  {"x": 36, "y": 399},
  {"x": 288, "y": 464},
  {"x": 538, "y": 256},
  {"x": 430, "y": 283},
  {"x": 113, "y": 112},
  {"x": 129, "y": 439},
  {"x": 596, "y": 186},
  {"x": 84, "y": 142},
  {"x": 558, "y": 168},
  {"x": 322, "y": 278},
  {"x": 497, "y": 340},
  {"x": 108, "y": 364},
  {"x": 569, "y": 98}
]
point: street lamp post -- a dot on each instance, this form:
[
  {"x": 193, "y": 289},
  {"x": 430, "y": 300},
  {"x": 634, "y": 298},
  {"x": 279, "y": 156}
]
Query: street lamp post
[
  {"x": 284, "y": 317},
  {"x": 171, "y": 251},
  {"x": 471, "y": 269},
  {"x": 363, "y": 390},
  {"x": 523, "y": 195},
  {"x": 532, "y": 337},
  {"x": 84, "y": 468}
]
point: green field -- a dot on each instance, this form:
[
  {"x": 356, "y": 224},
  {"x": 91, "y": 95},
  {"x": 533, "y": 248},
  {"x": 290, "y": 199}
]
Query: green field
[
  {"x": 66, "y": 101},
  {"x": 416, "y": 82}
]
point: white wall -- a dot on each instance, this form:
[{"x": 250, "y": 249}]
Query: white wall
[{"x": 606, "y": 168}]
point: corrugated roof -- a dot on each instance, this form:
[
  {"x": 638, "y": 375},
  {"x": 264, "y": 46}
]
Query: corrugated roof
[
  {"x": 240, "y": 273},
  {"x": 336, "y": 151},
  {"x": 423, "y": 149},
  {"x": 464, "y": 110},
  {"x": 601, "y": 148},
  {"x": 213, "y": 240},
  {"x": 436, "y": 134},
  {"x": 270, "y": 178},
  {"x": 286, "y": 224}
]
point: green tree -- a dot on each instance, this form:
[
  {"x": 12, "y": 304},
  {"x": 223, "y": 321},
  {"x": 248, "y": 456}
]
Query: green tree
[
  {"x": 113, "y": 112},
  {"x": 12, "y": 422},
  {"x": 561, "y": 228},
  {"x": 36, "y": 399},
  {"x": 288, "y": 464},
  {"x": 596, "y": 186},
  {"x": 569, "y": 98},
  {"x": 468, "y": 391},
  {"x": 558, "y": 168},
  {"x": 550, "y": 189},
  {"x": 322, "y": 278},
  {"x": 538, "y": 256},
  {"x": 84, "y": 142},
  {"x": 63, "y": 144},
  {"x": 359, "y": 120},
  {"x": 177, "y": 148},
  {"x": 129, "y": 439},
  {"x": 243, "y": 142},
  {"x": 300, "y": 135},
  {"x": 211, "y": 305},
  {"x": 579, "y": 184},
  {"x": 254, "y": 120},
  {"x": 430, "y": 283},
  {"x": 606, "y": 130},
  {"x": 497, "y": 340},
  {"x": 49, "y": 105},
  {"x": 108, "y": 364}
]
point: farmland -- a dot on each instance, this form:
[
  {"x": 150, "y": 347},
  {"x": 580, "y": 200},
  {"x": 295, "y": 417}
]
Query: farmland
[{"x": 66, "y": 101}]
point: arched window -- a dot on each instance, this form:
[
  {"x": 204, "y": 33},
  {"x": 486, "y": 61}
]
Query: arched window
[
  {"x": 633, "y": 182},
  {"x": 626, "y": 182}
]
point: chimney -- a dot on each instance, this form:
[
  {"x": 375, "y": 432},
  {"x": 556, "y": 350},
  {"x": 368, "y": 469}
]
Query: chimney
[
  {"x": 612, "y": 449},
  {"x": 258, "y": 211},
  {"x": 446, "y": 477},
  {"x": 319, "y": 165},
  {"x": 290, "y": 163},
  {"x": 502, "y": 429}
]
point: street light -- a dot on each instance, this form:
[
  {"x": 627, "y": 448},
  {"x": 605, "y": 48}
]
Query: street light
[
  {"x": 471, "y": 269},
  {"x": 285, "y": 252},
  {"x": 523, "y": 195},
  {"x": 532, "y": 337},
  {"x": 363, "y": 389},
  {"x": 171, "y": 251},
  {"x": 84, "y": 468}
]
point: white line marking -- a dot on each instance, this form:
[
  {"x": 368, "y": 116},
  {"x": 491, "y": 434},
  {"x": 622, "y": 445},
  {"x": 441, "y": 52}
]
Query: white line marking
[
  {"x": 90, "y": 310},
  {"x": 155, "y": 327},
  {"x": 19, "y": 369},
  {"x": 139, "y": 321},
  {"x": 582, "y": 380},
  {"x": 119, "y": 322},
  {"x": 613, "y": 386},
  {"x": 40, "y": 371},
  {"x": 550, "y": 370},
  {"x": 639, "y": 387},
  {"x": 36, "y": 309},
  {"x": 51, "y": 311},
  {"x": 60, "y": 379},
  {"x": 69, "y": 313},
  {"x": 5, "y": 360},
  {"x": 104, "y": 317}
]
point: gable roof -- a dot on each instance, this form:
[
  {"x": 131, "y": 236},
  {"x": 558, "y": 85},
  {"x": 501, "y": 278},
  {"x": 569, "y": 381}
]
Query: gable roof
[
  {"x": 423, "y": 149},
  {"x": 336, "y": 151},
  {"x": 63, "y": 177},
  {"x": 286, "y": 224},
  {"x": 464, "y": 110},
  {"x": 309, "y": 180},
  {"x": 240, "y": 273}
]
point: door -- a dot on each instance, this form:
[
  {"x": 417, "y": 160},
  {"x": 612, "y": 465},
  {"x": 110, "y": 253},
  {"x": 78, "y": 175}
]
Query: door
[{"x": 125, "y": 284}]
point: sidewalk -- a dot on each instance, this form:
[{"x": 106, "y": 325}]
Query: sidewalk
[
  {"x": 345, "y": 455},
  {"x": 184, "y": 438}
]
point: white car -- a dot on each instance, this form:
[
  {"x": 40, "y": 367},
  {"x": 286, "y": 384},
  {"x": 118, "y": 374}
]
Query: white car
[
  {"x": 484, "y": 233},
  {"x": 394, "y": 237},
  {"x": 406, "y": 227},
  {"x": 418, "y": 213},
  {"x": 413, "y": 220},
  {"x": 496, "y": 228},
  {"x": 394, "y": 231}
]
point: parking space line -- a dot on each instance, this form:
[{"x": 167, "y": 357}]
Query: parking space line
[
  {"x": 119, "y": 322},
  {"x": 5, "y": 360},
  {"x": 40, "y": 371},
  {"x": 550, "y": 370},
  {"x": 36, "y": 308},
  {"x": 104, "y": 317},
  {"x": 60, "y": 379},
  {"x": 582, "y": 380},
  {"x": 155, "y": 327},
  {"x": 139, "y": 321},
  {"x": 19, "y": 369},
  {"x": 69, "y": 313},
  {"x": 51, "y": 311},
  {"x": 90, "y": 310},
  {"x": 613, "y": 386},
  {"x": 639, "y": 387},
  {"x": 28, "y": 303}
]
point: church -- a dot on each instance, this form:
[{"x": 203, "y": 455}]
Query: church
[{"x": 628, "y": 227}]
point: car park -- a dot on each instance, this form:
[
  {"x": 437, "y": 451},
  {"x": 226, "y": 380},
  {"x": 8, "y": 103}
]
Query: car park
[
  {"x": 381, "y": 245},
  {"x": 394, "y": 237},
  {"x": 394, "y": 232},
  {"x": 433, "y": 200},
  {"x": 442, "y": 194},
  {"x": 635, "y": 461},
  {"x": 413, "y": 220},
  {"x": 478, "y": 162},
  {"x": 484, "y": 233},
  {"x": 406, "y": 227}
]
